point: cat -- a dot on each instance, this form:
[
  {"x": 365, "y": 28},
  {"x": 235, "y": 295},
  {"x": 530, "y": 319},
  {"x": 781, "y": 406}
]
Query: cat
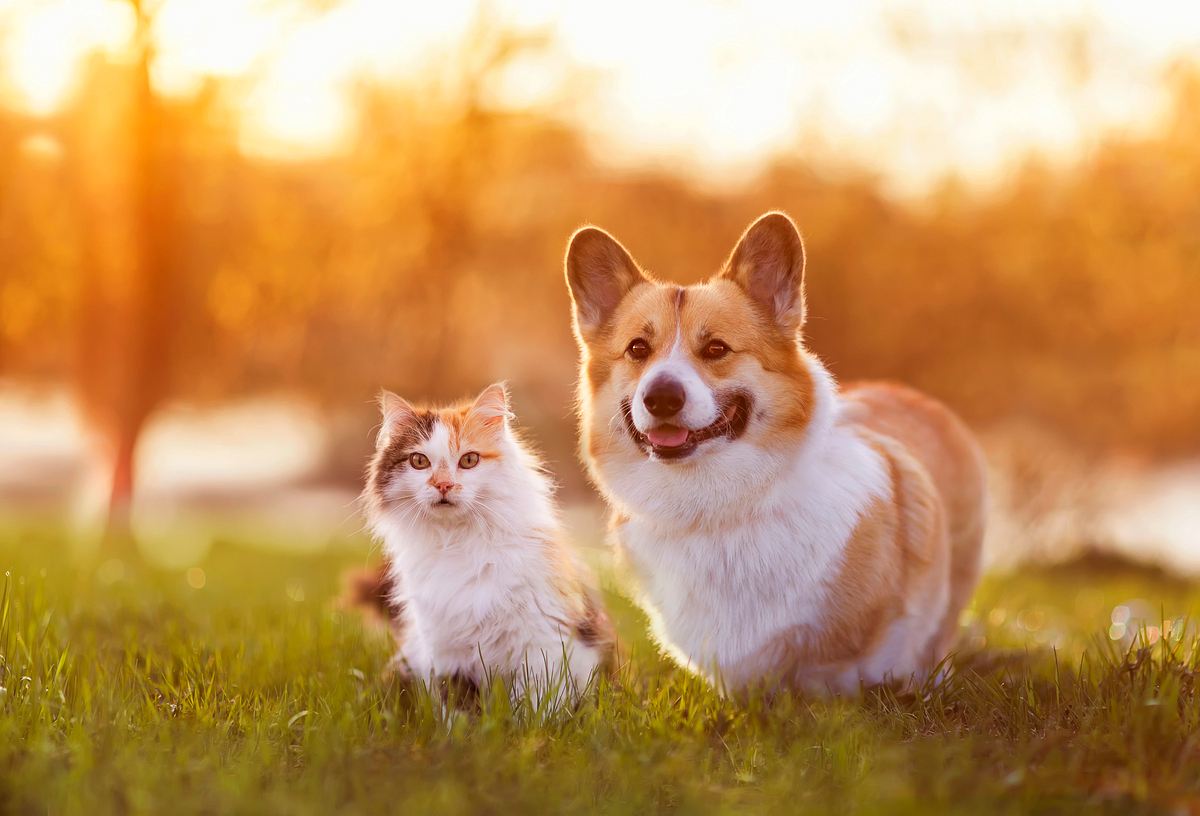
[{"x": 477, "y": 581}]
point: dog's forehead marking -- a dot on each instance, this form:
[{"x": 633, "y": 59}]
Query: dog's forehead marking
[
  {"x": 713, "y": 308},
  {"x": 669, "y": 316},
  {"x": 680, "y": 294},
  {"x": 648, "y": 311}
]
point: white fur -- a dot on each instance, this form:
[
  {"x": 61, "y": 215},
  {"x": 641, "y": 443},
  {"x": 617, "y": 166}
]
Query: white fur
[
  {"x": 477, "y": 581},
  {"x": 700, "y": 404},
  {"x": 739, "y": 543}
]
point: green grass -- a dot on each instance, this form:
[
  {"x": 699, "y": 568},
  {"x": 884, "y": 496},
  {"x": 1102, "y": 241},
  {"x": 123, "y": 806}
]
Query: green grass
[{"x": 127, "y": 689}]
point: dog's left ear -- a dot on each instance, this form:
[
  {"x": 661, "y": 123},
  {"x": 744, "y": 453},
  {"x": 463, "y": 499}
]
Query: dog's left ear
[{"x": 768, "y": 263}]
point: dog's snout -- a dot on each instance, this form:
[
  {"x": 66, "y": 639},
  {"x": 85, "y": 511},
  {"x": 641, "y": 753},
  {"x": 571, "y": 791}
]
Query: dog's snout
[{"x": 664, "y": 398}]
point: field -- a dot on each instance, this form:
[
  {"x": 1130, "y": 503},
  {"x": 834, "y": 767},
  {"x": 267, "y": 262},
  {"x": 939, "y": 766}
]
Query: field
[{"x": 238, "y": 686}]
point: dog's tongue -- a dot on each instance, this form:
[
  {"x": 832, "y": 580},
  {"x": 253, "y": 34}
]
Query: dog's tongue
[{"x": 668, "y": 436}]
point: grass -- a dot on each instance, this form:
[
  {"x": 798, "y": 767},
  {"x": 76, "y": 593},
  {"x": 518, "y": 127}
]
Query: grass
[{"x": 238, "y": 687}]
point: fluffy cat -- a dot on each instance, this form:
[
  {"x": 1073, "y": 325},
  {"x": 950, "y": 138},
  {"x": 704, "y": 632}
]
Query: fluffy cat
[{"x": 478, "y": 582}]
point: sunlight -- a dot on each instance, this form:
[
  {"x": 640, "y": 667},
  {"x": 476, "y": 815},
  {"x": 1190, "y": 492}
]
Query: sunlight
[
  {"x": 214, "y": 38},
  {"x": 300, "y": 103},
  {"x": 44, "y": 53},
  {"x": 914, "y": 92},
  {"x": 299, "y": 107}
]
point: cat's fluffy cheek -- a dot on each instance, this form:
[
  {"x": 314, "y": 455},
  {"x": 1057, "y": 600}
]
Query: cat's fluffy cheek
[
  {"x": 407, "y": 491},
  {"x": 403, "y": 485}
]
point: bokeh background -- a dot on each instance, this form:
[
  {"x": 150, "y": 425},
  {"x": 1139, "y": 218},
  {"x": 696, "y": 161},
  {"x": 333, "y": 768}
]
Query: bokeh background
[{"x": 224, "y": 224}]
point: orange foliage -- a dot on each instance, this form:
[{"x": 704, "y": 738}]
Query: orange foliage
[{"x": 428, "y": 260}]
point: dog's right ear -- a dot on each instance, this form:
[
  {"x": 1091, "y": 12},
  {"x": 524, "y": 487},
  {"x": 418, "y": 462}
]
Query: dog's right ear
[{"x": 599, "y": 274}]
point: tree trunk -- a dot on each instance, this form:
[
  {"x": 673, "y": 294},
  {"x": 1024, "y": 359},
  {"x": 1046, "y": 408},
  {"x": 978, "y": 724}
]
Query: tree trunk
[
  {"x": 128, "y": 206},
  {"x": 118, "y": 532}
]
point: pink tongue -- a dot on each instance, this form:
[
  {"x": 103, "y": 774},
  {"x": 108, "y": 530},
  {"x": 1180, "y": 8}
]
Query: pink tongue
[{"x": 667, "y": 436}]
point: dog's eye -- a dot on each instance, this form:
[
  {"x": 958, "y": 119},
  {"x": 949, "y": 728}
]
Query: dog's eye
[
  {"x": 418, "y": 460},
  {"x": 638, "y": 349},
  {"x": 714, "y": 350},
  {"x": 469, "y": 460}
]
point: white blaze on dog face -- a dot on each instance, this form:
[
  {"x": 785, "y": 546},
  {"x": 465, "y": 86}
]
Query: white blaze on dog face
[
  {"x": 727, "y": 351},
  {"x": 676, "y": 369}
]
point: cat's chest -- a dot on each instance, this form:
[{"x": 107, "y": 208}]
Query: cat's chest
[
  {"x": 458, "y": 589},
  {"x": 469, "y": 578}
]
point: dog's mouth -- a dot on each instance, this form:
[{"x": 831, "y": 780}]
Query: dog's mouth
[{"x": 674, "y": 442}]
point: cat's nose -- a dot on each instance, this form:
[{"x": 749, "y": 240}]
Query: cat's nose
[
  {"x": 443, "y": 487},
  {"x": 664, "y": 397}
]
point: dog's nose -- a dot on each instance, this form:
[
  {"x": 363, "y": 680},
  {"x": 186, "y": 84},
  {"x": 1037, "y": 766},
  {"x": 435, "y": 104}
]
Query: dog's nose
[{"x": 664, "y": 398}]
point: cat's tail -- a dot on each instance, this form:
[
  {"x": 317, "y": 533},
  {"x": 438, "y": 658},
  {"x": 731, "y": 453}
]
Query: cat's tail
[{"x": 372, "y": 590}]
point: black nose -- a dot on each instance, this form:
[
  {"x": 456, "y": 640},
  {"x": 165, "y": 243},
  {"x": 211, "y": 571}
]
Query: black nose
[{"x": 664, "y": 398}]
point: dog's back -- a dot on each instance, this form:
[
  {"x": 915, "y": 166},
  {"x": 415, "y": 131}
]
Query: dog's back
[{"x": 943, "y": 445}]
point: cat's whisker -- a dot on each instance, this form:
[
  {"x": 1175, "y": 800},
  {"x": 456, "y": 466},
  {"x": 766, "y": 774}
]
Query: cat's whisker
[
  {"x": 410, "y": 511},
  {"x": 493, "y": 513}
]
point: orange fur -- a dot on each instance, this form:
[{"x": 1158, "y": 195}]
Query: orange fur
[
  {"x": 717, "y": 308},
  {"x": 945, "y": 449},
  {"x": 914, "y": 553}
]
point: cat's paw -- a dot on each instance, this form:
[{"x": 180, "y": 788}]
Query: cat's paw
[{"x": 398, "y": 670}]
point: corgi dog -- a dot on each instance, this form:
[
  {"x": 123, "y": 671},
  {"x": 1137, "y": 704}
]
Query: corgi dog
[{"x": 779, "y": 530}]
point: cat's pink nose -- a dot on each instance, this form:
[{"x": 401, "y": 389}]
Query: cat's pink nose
[{"x": 443, "y": 487}]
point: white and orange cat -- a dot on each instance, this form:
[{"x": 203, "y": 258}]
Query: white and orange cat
[{"x": 478, "y": 582}]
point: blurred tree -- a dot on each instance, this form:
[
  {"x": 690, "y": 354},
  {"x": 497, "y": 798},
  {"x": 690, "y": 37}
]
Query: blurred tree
[
  {"x": 127, "y": 308},
  {"x": 287, "y": 274},
  {"x": 430, "y": 160},
  {"x": 427, "y": 258}
]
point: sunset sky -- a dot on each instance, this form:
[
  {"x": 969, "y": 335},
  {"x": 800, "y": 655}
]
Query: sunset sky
[{"x": 914, "y": 89}]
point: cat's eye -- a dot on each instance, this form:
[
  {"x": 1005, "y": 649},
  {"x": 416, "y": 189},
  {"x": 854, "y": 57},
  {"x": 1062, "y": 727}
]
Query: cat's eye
[
  {"x": 714, "y": 350},
  {"x": 418, "y": 460},
  {"x": 638, "y": 349},
  {"x": 469, "y": 460}
]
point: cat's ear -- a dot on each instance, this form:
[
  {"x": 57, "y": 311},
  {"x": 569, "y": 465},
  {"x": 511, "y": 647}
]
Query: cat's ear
[
  {"x": 491, "y": 406},
  {"x": 599, "y": 274},
  {"x": 397, "y": 413},
  {"x": 768, "y": 263}
]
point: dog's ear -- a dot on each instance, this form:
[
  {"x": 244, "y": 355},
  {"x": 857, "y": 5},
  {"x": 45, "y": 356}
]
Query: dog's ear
[
  {"x": 768, "y": 263},
  {"x": 599, "y": 273}
]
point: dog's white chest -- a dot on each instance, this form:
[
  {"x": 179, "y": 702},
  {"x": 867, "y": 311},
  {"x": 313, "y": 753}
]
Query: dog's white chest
[
  {"x": 720, "y": 596},
  {"x": 718, "y": 593}
]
